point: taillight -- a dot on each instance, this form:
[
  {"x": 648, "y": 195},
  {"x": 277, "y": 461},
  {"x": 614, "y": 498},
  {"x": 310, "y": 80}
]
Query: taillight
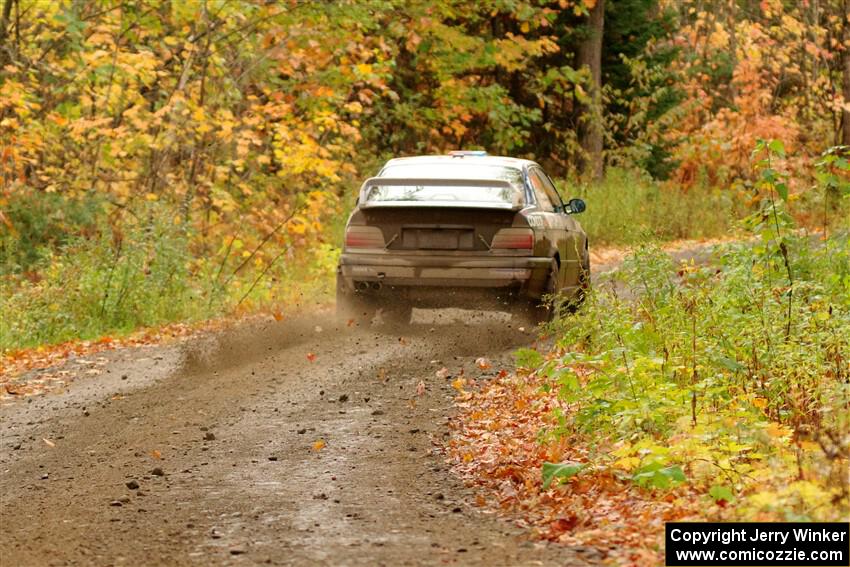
[
  {"x": 513, "y": 239},
  {"x": 364, "y": 237}
]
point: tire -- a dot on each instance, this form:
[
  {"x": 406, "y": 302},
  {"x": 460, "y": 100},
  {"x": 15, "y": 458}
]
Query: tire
[
  {"x": 584, "y": 287},
  {"x": 544, "y": 309}
]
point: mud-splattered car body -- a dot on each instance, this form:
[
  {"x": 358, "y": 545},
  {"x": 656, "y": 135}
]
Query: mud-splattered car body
[{"x": 436, "y": 231}]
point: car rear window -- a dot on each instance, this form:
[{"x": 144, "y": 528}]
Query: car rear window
[
  {"x": 451, "y": 170},
  {"x": 435, "y": 193}
]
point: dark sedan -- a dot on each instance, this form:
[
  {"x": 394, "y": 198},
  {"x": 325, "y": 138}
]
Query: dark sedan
[{"x": 463, "y": 230}]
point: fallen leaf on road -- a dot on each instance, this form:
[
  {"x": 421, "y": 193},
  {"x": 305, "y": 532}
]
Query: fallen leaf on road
[
  {"x": 156, "y": 454},
  {"x": 278, "y": 316},
  {"x": 420, "y": 388},
  {"x": 443, "y": 373},
  {"x": 319, "y": 445},
  {"x": 458, "y": 384},
  {"x": 311, "y": 356},
  {"x": 48, "y": 442},
  {"x": 483, "y": 363}
]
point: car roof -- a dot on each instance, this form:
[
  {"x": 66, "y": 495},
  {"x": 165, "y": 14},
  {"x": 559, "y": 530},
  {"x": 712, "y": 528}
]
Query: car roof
[{"x": 466, "y": 159}]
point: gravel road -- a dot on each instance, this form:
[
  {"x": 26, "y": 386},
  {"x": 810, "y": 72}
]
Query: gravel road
[{"x": 206, "y": 453}]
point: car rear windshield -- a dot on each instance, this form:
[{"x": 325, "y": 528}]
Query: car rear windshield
[
  {"x": 454, "y": 194},
  {"x": 459, "y": 170},
  {"x": 440, "y": 193}
]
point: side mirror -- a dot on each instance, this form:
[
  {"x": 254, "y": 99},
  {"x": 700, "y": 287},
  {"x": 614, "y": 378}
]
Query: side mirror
[{"x": 575, "y": 206}]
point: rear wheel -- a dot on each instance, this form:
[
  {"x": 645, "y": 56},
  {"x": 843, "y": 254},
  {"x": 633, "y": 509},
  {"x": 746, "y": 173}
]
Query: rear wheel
[
  {"x": 583, "y": 287},
  {"x": 544, "y": 309}
]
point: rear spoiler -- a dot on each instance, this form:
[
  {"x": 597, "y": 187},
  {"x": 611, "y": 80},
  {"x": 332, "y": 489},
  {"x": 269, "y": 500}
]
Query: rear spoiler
[{"x": 516, "y": 204}]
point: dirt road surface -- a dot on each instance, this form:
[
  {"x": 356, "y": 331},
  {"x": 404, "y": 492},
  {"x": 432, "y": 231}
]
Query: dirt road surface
[
  {"x": 300, "y": 442},
  {"x": 207, "y": 454}
]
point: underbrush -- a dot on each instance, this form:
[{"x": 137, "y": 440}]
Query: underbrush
[
  {"x": 150, "y": 272},
  {"x": 725, "y": 377},
  {"x": 677, "y": 393},
  {"x": 627, "y": 208}
]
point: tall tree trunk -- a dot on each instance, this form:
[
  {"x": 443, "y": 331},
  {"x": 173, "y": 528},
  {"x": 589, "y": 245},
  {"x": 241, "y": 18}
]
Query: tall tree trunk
[
  {"x": 590, "y": 122},
  {"x": 4, "y": 30},
  {"x": 845, "y": 68}
]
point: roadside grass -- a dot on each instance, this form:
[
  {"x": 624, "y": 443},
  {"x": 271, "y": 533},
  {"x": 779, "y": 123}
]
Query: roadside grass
[
  {"x": 627, "y": 208},
  {"x": 151, "y": 274}
]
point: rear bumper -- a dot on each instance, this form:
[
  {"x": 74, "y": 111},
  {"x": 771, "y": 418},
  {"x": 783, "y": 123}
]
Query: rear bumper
[{"x": 528, "y": 275}]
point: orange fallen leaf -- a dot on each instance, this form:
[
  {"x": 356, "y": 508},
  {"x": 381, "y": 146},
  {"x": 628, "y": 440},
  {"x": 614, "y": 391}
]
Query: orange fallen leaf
[
  {"x": 402, "y": 341},
  {"x": 483, "y": 363},
  {"x": 458, "y": 384},
  {"x": 156, "y": 454},
  {"x": 350, "y": 322},
  {"x": 311, "y": 356},
  {"x": 12, "y": 390},
  {"x": 319, "y": 445},
  {"x": 278, "y": 316}
]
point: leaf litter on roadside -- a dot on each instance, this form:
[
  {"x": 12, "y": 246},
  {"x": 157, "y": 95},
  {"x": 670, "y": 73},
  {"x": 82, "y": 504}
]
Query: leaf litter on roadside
[{"x": 550, "y": 486}]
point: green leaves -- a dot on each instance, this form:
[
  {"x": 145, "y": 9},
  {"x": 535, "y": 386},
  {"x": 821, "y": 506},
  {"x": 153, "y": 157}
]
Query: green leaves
[
  {"x": 560, "y": 471},
  {"x": 656, "y": 475},
  {"x": 528, "y": 358},
  {"x": 721, "y": 493}
]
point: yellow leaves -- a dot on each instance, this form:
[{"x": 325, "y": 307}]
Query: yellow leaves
[
  {"x": 151, "y": 196},
  {"x": 363, "y": 69},
  {"x": 513, "y": 52},
  {"x": 778, "y": 431},
  {"x": 760, "y": 403},
  {"x": 354, "y": 107},
  {"x": 627, "y": 463},
  {"x": 297, "y": 226},
  {"x": 458, "y": 384}
]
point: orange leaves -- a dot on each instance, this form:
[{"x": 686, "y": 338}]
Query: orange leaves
[
  {"x": 319, "y": 445},
  {"x": 498, "y": 443},
  {"x": 311, "y": 357}
]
